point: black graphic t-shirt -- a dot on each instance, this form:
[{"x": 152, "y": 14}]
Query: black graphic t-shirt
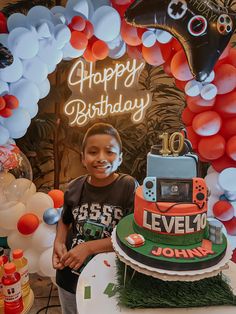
[{"x": 93, "y": 215}]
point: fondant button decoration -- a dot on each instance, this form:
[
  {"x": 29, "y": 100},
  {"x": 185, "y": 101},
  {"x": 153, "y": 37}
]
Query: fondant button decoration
[{"x": 135, "y": 240}]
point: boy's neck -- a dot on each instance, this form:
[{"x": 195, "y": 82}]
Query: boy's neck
[{"x": 102, "y": 182}]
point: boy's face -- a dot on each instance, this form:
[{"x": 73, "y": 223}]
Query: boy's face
[{"x": 101, "y": 156}]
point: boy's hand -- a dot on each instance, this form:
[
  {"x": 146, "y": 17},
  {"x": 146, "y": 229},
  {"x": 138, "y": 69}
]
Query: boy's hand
[
  {"x": 75, "y": 257},
  {"x": 58, "y": 251}
]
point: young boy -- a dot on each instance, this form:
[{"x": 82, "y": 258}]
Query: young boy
[{"x": 93, "y": 205}]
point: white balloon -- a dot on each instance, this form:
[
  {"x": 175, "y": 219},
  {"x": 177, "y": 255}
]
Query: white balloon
[
  {"x": 71, "y": 52},
  {"x": 232, "y": 240},
  {"x": 20, "y": 38},
  {"x": 227, "y": 179},
  {"x": 99, "y": 3},
  {"x": 38, "y": 203},
  {"x": 4, "y": 135},
  {"x": 19, "y": 121},
  {"x": 33, "y": 259},
  {"x": 17, "y": 135},
  {"x": 20, "y": 190},
  {"x": 4, "y": 39},
  {"x": 45, "y": 263},
  {"x": 13, "y": 72},
  {"x": 59, "y": 14},
  {"x": 10, "y": 213},
  {"x": 26, "y": 91},
  {"x": 37, "y": 13},
  {"x": 78, "y": 7},
  {"x": 58, "y": 9},
  {"x": 118, "y": 52},
  {"x": 4, "y": 88},
  {"x": 106, "y": 22},
  {"x": 35, "y": 69},
  {"x": 17, "y": 20},
  {"x": 62, "y": 35},
  {"x": 213, "y": 185},
  {"x": 43, "y": 30},
  {"x": 193, "y": 88},
  {"x": 209, "y": 91},
  {"x": 49, "y": 53},
  {"x": 43, "y": 237},
  {"x": 44, "y": 88},
  {"x": 17, "y": 241},
  {"x": 149, "y": 39},
  {"x": 6, "y": 178},
  {"x": 163, "y": 36}
]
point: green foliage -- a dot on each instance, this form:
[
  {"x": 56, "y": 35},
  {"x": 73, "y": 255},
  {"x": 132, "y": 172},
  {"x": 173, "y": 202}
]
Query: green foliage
[{"x": 147, "y": 292}]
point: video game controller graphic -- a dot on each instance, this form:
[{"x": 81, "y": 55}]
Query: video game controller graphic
[{"x": 202, "y": 27}]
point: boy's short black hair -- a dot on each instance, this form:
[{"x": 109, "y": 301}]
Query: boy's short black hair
[{"x": 102, "y": 128}]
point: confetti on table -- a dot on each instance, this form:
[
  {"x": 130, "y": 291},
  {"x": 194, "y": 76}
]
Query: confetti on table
[{"x": 106, "y": 263}]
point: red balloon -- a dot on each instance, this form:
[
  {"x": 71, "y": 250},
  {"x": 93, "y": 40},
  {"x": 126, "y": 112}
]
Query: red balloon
[
  {"x": 223, "y": 163},
  {"x": 11, "y": 101},
  {"x": 153, "y": 55},
  {"x": 223, "y": 210},
  {"x": 207, "y": 123},
  {"x": 230, "y": 226},
  {"x": 88, "y": 55},
  {"x": 225, "y": 78},
  {"x": 3, "y": 24},
  {"x": 57, "y": 197},
  {"x": 2, "y": 103},
  {"x": 134, "y": 52},
  {"x": 180, "y": 84},
  {"x": 193, "y": 137},
  {"x": 187, "y": 116},
  {"x": 78, "y": 23},
  {"x": 122, "y": 2},
  {"x": 198, "y": 104},
  {"x": 6, "y": 112},
  {"x": 233, "y": 258},
  {"x": 28, "y": 223},
  {"x": 175, "y": 44},
  {"x": 212, "y": 147},
  {"x": 121, "y": 9},
  {"x": 130, "y": 34},
  {"x": 89, "y": 29},
  {"x": 167, "y": 69},
  {"x": 231, "y": 148},
  {"x": 226, "y": 105},
  {"x": 100, "y": 50},
  {"x": 78, "y": 40},
  {"x": 228, "y": 128},
  {"x": 232, "y": 57},
  {"x": 180, "y": 67}
]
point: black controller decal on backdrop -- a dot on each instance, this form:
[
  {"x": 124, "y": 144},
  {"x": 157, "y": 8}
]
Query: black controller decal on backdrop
[
  {"x": 203, "y": 28},
  {"x": 6, "y": 57}
]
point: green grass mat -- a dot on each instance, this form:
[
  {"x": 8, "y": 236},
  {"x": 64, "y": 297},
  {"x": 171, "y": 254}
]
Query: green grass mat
[{"x": 147, "y": 292}]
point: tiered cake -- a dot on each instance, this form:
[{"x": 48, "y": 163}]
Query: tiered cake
[{"x": 169, "y": 228}]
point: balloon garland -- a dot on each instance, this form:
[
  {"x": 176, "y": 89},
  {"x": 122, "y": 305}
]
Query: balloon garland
[{"x": 84, "y": 28}]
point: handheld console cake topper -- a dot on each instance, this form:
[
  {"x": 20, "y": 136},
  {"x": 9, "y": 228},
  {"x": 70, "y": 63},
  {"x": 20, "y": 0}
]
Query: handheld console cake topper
[{"x": 203, "y": 27}]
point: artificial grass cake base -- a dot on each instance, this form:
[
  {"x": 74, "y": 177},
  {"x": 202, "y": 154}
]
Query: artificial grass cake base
[{"x": 148, "y": 292}]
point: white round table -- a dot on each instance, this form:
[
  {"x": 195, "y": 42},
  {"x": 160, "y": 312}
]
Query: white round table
[{"x": 100, "y": 274}]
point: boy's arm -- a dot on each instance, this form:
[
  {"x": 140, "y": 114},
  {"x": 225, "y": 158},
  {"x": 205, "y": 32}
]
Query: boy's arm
[
  {"x": 59, "y": 248},
  {"x": 76, "y": 256}
]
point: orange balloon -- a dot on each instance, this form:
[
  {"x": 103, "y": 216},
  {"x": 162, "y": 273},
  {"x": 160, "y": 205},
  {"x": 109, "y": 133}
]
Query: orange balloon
[
  {"x": 78, "y": 23},
  {"x": 130, "y": 34},
  {"x": 207, "y": 123},
  {"x": 226, "y": 105},
  {"x": 2, "y": 103},
  {"x": 193, "y": 137},
  {"x": 223, "y": 210},
  {"x": 180, "y": 84},
  {"x": 187, "y": 116},
  {"x": 212, "y": 147},
  {"x": 88, "y": 55},
  {"x": 231, "y": 148},
  {"x": 100, "y": 50},
  {"x": 153, "y": 55},
  {"x": 78, "y": 40},
  {"x": 228, "y": 128},
  {"x": 89, "y": 29},
  {"x": 198, "y": 104},
  {"x": 57, "y": 197},
  {"x": 134, "y": 52},
  {"x": 223, "y": 163},
  {"x": 11, "y": 101},
  {"x": 28, "y": 223},
  {"x": 180, "y": 67},
  {"x": 225, "y": 78}
]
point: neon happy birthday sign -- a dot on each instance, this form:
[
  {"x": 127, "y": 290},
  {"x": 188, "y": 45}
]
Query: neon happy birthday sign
[{"x": 109, "y": 92}]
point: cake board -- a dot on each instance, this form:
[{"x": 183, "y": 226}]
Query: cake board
[{"x": 163, "y": 274}]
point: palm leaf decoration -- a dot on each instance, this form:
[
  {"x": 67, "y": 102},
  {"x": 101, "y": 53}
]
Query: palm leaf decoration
[{"x": 23, "y": 6}]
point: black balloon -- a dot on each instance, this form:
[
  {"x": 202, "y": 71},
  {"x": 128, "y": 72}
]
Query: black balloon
[
  {"x": 6, "y": 58},
  {"x": 203, "y": 28}
]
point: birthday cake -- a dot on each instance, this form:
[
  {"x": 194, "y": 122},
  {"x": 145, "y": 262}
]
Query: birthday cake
[{"x": 169, "y": 228}]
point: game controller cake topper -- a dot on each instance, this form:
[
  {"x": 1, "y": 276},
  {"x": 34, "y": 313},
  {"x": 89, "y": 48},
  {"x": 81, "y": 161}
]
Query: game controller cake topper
[{"x": 203, "y": 27}]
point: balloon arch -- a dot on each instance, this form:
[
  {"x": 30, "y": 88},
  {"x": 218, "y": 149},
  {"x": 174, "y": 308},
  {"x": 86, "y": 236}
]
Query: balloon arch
[{"x": 189, "y": 38}]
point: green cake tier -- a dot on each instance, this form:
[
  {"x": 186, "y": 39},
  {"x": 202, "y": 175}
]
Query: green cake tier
[{"x": 168, "y": 256}]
